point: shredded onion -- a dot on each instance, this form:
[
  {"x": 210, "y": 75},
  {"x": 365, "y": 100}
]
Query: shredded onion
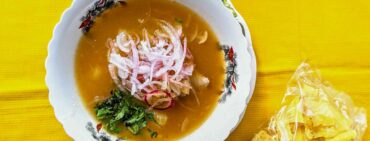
[{"x": 158, "y": 61}]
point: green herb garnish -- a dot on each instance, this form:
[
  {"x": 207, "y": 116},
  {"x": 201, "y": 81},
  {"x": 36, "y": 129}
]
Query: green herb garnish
[
  {"x": 123, "y": 110},
  {"x": 152, "y": 133}
]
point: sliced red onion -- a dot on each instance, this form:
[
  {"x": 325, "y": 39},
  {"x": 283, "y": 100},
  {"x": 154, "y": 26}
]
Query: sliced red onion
[
  {"x": 160, "y": 60},
  {"x": 122, "y": 42}
]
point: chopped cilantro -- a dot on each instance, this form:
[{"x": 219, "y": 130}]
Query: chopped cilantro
[
  {"x": 122, "y": 110},
  {"x": 152, "y": 133}
]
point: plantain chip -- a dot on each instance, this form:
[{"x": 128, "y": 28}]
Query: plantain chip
[{"x": 312, "y": 110}]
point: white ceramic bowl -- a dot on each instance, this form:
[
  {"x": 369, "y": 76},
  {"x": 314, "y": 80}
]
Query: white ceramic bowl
[{"x": 228, "y": 25}]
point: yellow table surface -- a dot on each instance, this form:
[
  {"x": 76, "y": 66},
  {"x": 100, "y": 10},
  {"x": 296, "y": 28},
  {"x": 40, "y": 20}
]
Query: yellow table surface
[{"x": 333, "y": 34}]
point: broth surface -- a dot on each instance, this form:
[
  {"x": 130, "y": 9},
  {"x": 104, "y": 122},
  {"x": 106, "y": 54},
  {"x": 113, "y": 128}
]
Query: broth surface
[{"x": 94, "y": 80}]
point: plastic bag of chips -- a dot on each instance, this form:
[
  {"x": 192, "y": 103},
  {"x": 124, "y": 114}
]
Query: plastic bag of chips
[{"x": 312, "y": 110}]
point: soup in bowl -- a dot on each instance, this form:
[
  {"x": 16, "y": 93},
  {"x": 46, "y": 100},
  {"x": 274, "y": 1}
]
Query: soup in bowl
[{"x": 150, "y": 70}]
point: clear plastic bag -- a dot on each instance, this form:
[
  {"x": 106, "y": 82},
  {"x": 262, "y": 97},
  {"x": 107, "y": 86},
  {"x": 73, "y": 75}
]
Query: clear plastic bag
[{"x": 312, "y": 110}]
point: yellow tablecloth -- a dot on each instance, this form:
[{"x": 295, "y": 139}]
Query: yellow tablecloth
[{"x": 334, "y": 35}]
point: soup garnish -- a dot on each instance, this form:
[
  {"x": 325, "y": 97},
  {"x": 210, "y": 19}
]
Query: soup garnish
[
  {"x": 122, "y": 109},
  {"x": 154, "y": 68},
  {"x": 157, "y": 61}
]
